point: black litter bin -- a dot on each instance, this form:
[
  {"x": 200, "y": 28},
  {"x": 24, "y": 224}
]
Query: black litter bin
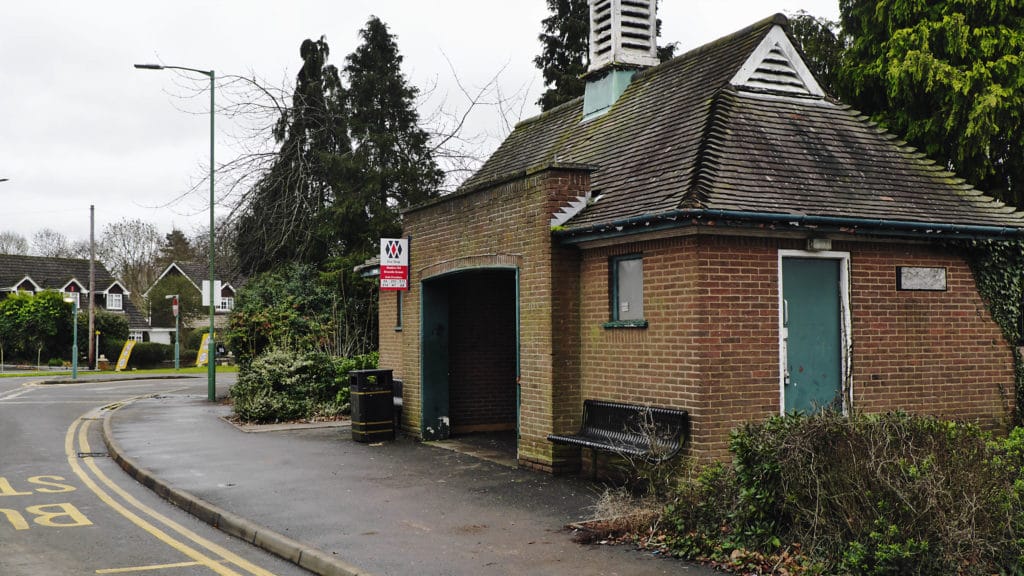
[{"x": 372, "y": 405}]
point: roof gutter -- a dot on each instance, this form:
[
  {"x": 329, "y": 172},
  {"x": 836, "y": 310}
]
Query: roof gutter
[{"x": 681, "y": 218}]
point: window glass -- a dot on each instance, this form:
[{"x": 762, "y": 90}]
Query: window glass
[
  {"x": 629, "y": 289},
  {"x": 114, "y": 302}
]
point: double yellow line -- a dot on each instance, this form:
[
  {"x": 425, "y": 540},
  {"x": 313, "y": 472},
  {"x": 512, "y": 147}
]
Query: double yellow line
[{"x": 199, "y": 550}]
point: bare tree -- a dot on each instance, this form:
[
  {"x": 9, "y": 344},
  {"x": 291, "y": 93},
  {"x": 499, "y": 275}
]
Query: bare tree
[
  {"x": 250, "y": 106},
  {"x": 13, "y": 243},
  {"x": 51, "y": 244},
  {"x": 458, "y": 146},
  {"x": 129, "y": 248},
  {"x": 225, "y": 256},
  {"x": 80, "y": 249}
]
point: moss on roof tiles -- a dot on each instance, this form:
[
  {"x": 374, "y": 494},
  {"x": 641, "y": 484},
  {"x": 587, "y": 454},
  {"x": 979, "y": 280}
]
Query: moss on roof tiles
[{"x": 681, "y": 136}]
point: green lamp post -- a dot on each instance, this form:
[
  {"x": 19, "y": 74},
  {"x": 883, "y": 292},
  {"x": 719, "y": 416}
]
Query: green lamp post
[
  {"x": 72, "y": 298},
  {"x": 211, "y": 392},
  {"x": 177, "y": 329}
]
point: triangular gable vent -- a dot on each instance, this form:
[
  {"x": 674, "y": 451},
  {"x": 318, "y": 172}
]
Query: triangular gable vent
[{"x": 775, "y": 65}]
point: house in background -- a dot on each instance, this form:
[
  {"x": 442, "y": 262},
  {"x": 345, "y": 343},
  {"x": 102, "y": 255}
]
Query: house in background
[
  {"x": 195, "y": 273},
  {"x": 713, "y": 234},
  {"x": 71, "y": 275}
]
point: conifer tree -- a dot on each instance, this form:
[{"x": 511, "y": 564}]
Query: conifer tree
[
  {"x": 285, "y": 219},
  {"x": 176, "y": 248},
  {"x": 948, "y": 76},
  {"x": 564, "y": 55},
  {"x": 392, "y": 167}
]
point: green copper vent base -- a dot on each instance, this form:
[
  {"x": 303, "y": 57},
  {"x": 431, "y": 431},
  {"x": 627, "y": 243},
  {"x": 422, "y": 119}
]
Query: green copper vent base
[{"x": 600, "y": 94}]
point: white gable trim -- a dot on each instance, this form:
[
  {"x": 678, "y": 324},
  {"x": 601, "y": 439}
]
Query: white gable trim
[
  {"x": 14, "y": 288},
  {"x": 174, "y": 266},
  {"x": 777, "y": 40},
  {"x": 83, "y": 289},
  {"x": 124, "y": 289}
]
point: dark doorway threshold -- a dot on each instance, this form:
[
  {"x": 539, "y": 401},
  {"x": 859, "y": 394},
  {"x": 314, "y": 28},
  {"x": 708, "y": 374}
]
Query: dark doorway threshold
[{"x": 497, "y": 447}]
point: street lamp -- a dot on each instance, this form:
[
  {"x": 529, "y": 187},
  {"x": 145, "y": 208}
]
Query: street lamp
[
  {"x": 211, "y": 388},
  {"x": 72, "y": 298},
  {"x": 177, "y": 332}
]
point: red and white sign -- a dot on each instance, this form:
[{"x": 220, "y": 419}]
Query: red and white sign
[
  {"x": 174, "y": 306},
  {"x": 394, "y": 263}
]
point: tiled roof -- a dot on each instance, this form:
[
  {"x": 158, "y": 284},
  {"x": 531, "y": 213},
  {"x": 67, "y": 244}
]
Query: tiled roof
[
  {"x": 55, "y": 273},
  {"x": 199, "y": 271},
  {"x": 682, "y": 137},
  {"x": 136, "y": 319},
  {"x": 50, "y": 273}
]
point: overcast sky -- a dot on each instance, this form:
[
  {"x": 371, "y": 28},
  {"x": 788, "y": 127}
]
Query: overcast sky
[{"x": 79, "y": 126}]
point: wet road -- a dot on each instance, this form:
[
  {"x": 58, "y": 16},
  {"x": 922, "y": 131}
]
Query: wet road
[{"x": 66, "y": 508}]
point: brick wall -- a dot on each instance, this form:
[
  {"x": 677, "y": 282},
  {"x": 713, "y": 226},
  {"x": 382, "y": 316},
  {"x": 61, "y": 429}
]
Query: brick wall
[
  {"x": 927, "y": 352},
  {"x": 712, "y": 344},
  {"x": 507, "y": 226},
  {"x": 482, "y": 350}
]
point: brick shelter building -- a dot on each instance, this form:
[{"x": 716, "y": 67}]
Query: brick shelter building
[{"x": 712, "y": 233}]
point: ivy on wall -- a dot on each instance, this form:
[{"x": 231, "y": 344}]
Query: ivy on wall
[{"x": 998, "y": 267}]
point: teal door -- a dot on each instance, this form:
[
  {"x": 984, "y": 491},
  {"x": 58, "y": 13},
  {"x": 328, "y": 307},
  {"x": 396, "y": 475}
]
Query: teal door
[
  {"x": 812, "y": 334},
  {"x": 435, "y": 361}
]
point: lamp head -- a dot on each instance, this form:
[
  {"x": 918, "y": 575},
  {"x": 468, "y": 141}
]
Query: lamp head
[{"x": 149, "y": 66}]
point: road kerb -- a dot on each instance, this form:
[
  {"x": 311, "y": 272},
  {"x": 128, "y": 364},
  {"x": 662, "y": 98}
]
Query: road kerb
[{"x": 312, "y": 559}]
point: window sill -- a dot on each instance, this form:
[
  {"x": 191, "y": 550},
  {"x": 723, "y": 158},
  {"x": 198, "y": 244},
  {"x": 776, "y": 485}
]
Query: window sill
[{"x": 617, "y": 324}]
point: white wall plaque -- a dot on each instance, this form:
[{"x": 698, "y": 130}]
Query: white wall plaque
[{"x": 920, "y": 278}]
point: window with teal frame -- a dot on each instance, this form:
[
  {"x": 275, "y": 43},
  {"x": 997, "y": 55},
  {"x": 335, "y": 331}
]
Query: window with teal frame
[{"x": 627, "y": 292}]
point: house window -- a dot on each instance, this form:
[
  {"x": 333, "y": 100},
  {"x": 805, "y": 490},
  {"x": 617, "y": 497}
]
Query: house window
[
  {"x": 627, "y": 287},
  {"x": 227, "y": 304},
  {"x": 115, "y": 301},
  {"x": 135, "y": 335}
]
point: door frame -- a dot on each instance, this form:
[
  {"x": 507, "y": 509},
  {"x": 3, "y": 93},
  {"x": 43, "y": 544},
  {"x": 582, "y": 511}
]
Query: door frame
[
  {"x": 443, "y": 276},
  {"x": 846, "y": 323}
]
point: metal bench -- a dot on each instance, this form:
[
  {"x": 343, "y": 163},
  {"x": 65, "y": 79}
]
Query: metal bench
[{"x": 654, "y": 434}]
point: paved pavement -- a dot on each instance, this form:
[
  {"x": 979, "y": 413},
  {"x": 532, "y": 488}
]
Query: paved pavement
[{"x": 336, "y": 506}]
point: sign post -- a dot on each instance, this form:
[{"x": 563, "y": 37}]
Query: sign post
[
  {"x": 394, "y": 263},
  {"x": 177, "y": 330}
]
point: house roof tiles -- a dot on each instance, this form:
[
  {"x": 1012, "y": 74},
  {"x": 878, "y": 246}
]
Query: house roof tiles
[
  {"x": 55, "y": 273},
  {"x": 49, "y": 273},
  {"x": 682, "y": 137}
]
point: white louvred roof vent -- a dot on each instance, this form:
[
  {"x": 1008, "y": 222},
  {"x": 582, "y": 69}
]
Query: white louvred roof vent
[
  {"x": 623, "y": 32},
  {"x": 776, "y": 66}
]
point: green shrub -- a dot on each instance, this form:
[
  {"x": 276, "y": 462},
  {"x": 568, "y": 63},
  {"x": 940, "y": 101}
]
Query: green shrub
[
  {"x": 55, "y": 362},
  {"x": 282, "y": 385},
  {"x": 149, "y": 355},
  {"x": 113, "y": 329},
  {"x": 111, "y": 349},
  {"x": 885, "y": 494},
  {"x": 187, "y": 357}
]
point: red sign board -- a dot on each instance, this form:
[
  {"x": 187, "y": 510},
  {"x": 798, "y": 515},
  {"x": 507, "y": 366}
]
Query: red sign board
[
  {"x": 174, "y": 307},
  {"x": 394, "y": 263}
]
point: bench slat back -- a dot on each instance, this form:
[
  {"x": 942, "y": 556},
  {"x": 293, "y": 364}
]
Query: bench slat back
[{"x": 632, "y": 426}]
